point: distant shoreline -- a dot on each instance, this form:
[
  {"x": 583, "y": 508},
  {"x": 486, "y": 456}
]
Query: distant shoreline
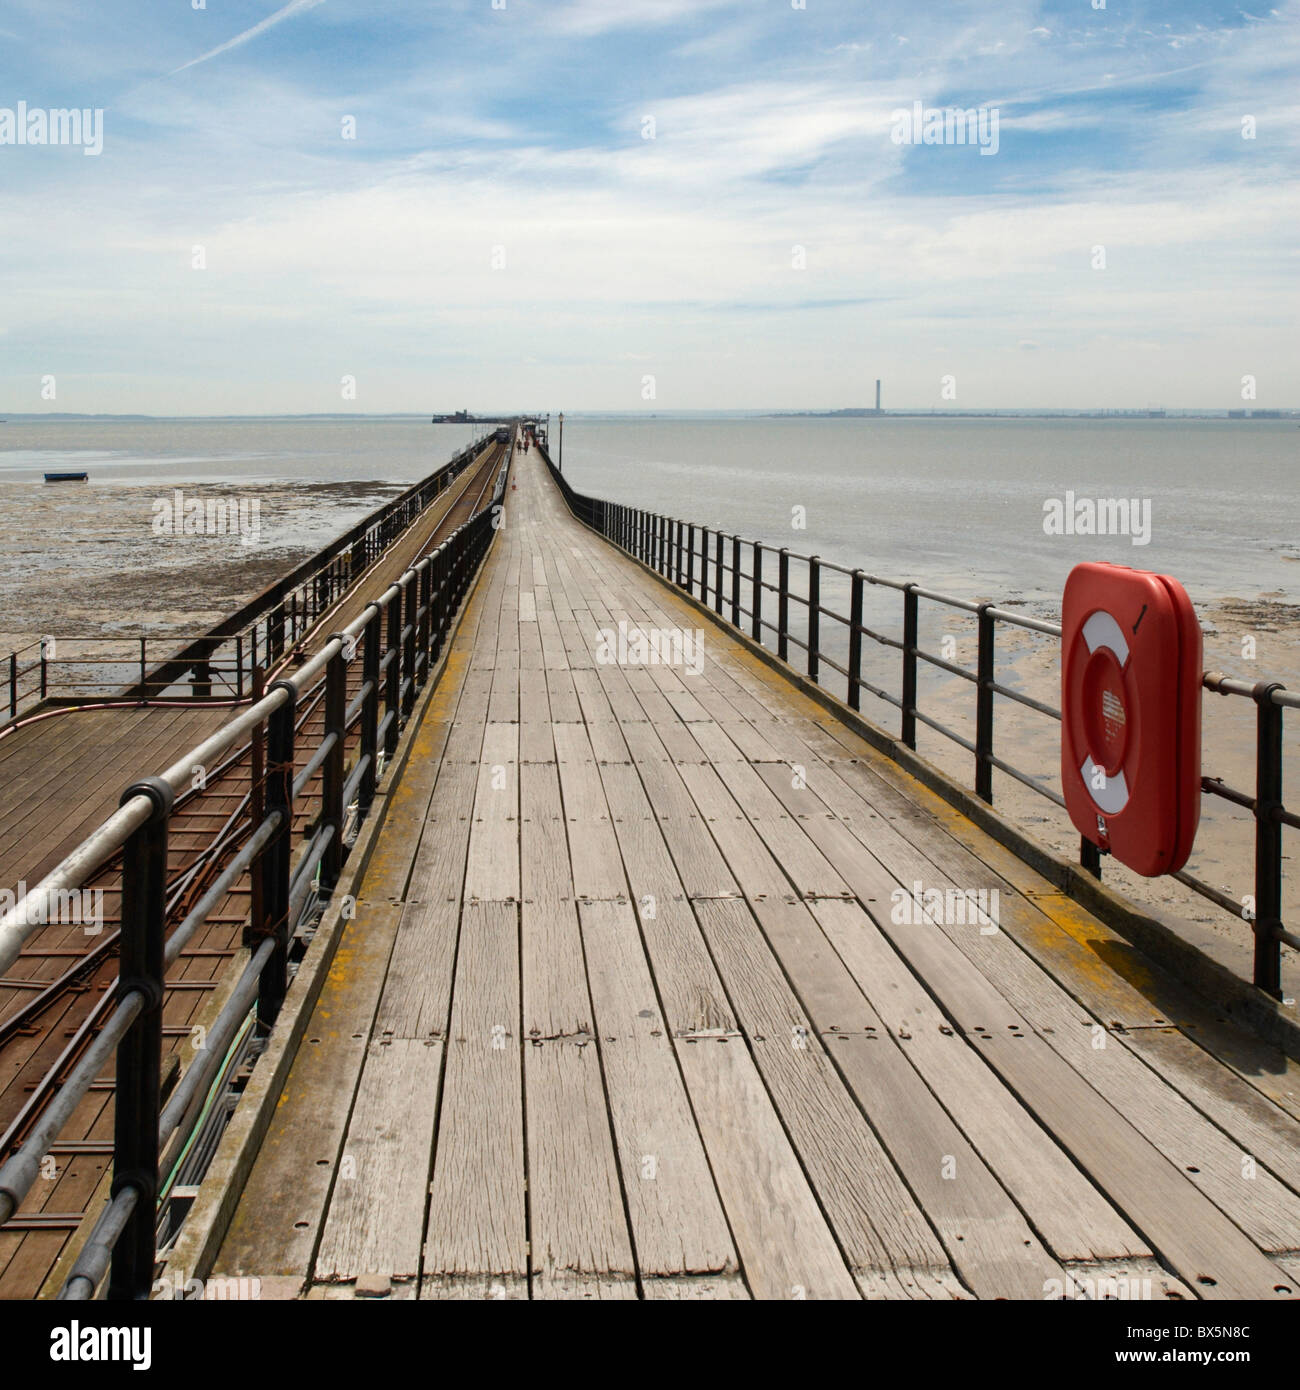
[
  {"x": 850, "y": 413},
  {"x": 1127, "y": 415}
]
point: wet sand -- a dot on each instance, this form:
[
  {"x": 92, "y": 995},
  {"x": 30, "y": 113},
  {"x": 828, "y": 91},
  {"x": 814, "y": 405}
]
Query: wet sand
[{"x": 80, "y": 560}]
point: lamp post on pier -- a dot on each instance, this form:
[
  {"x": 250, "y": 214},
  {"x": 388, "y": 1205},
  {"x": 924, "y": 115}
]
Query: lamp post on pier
[{"x": 561, "y": 465}]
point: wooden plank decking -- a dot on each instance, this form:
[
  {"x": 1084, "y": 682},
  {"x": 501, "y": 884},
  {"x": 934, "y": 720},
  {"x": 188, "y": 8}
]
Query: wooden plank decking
[{"x": 625, "y": 1012}]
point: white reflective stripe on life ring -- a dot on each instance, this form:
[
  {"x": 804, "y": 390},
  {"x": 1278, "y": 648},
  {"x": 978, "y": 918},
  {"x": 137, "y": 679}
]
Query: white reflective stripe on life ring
[
  {"x": 1112, "y": 796},
  {"x": 1101, "y": 630}
]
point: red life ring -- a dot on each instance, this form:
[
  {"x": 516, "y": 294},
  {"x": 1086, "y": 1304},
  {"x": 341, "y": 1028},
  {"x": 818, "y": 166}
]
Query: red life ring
[{"x": 1131, "y": 714}]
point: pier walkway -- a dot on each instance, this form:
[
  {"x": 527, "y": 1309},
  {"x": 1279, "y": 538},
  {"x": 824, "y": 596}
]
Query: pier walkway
[{"x": 637, "y": 1002}]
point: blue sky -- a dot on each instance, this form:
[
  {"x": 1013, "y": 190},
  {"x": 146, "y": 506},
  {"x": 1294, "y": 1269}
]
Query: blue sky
[{"x": 501, "y": 233}]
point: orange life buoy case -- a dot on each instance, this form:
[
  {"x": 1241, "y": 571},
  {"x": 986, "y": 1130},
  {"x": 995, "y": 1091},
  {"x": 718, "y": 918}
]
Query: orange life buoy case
[{"x": 1131, "y": 714}]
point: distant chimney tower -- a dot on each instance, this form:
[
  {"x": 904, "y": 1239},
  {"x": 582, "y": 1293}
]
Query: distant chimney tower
[{"x": 877, "y": 395}]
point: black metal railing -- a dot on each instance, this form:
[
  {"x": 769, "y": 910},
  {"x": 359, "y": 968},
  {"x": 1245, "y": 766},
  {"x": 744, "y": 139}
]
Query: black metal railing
[
  {"x": 709, "y": 566},
  {"x": 398, "y": 639},
  {"x": 218, "y": 665}
]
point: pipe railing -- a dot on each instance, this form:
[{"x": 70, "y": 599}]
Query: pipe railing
[
  {"x": 401, "y": 633},
  {"x": 710, "y": 566}
]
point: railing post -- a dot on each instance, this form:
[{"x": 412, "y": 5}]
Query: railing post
[
  {"x": 45, "y": 684},
  {"x": 783, "y": 604},
  {"x": 717, "y": 574},
  {"x": 984, "y": 706},
  {"x": 814, "y": 616},
  {"x": 911, "y": 612},
  {"x": 442, "y": 561},
  {"x": 370, "y": 641},
  {"x": 855, "y": 641},
  {"x": 139, "y": 1055},
  {"x": 332, "y": 808},
  {"x": 757, "y": 603},
  {"x": 393, "y": 684},
  {"x": 1268, "y": 839},
  {"x": 410, "y": 601},
  {"x": 257, "y": 791},
  {"x": 274, "y": 865},
  {"x": 424, "y": 636},
  {"x": 690, "y": 558},
  {"x": 735, "y": 581},
  {"x": 677, "y": 541},
  {"x": 144, "y": 666},
  {"x": 239, "y": 665},
  {"x": 13, "y": 685}
]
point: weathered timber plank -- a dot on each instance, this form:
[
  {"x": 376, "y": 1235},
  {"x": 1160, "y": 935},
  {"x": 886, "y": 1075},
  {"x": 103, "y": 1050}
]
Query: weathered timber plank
[
  {"x": 879, "y": 1226},
  {"x": 984, "y": 1233},
  {"x": 593, "y": 848},
  {"x": 786, "y": 1248},
  {"x": 1074, "y": 1219},
  {"x": 677, "y": 1221},
  {"x": 577, "y": 1224},
  {"x": 492, "y": 869},
  {"x": 376, "y": 1214},
  {"x": 476, "y": 1223}
]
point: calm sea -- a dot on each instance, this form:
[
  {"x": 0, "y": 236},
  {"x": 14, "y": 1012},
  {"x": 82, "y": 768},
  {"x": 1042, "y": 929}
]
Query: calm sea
[{"x": 959, "y": 504}]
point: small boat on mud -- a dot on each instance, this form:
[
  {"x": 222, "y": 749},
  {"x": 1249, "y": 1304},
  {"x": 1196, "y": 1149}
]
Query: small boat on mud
[{"x": 67, "y": 477}]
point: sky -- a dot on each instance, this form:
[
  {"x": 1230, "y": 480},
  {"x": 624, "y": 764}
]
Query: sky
[{"x": 649, "y": 205}]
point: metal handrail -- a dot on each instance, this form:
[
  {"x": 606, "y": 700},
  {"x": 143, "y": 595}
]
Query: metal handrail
[
  {"x": 658, "y": 541},
  {"x": 427, "y": 595}
]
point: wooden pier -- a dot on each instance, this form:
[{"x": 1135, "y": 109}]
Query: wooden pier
[{"x": 630, "y": 1005}]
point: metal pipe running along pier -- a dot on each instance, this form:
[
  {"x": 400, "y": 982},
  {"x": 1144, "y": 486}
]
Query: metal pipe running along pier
[{"x": 612, "y": 998}]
